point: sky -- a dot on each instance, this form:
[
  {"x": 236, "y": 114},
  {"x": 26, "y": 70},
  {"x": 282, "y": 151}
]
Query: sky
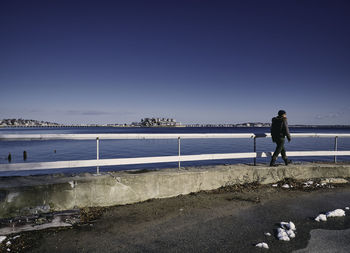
[{"x": 196, "y": 61}]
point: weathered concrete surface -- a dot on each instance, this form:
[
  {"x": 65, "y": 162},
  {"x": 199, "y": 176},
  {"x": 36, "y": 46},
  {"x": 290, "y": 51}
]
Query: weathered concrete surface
[{"x": 26, "y": 195}]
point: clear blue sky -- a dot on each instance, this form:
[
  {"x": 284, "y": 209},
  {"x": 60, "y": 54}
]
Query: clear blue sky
[{"x": 195, "y": 61}]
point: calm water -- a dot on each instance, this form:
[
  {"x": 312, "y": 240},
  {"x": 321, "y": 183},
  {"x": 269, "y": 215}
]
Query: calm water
[{"x": 43, "y": 151}]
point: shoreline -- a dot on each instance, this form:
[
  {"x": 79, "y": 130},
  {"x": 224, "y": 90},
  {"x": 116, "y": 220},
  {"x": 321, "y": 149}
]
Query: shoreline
[{"x": 182, "y": 126}]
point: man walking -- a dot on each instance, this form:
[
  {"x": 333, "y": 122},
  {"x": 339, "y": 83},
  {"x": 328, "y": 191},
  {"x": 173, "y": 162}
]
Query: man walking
[{"x": 279, "y": 130}]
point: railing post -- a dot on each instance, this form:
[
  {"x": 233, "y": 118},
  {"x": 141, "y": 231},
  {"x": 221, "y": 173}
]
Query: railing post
[
  {"x": 335, "y": 148},
  {"x": 97, "y": 154},
  {"x": 179, "y": 150},
  {"x": 255, "y": 150}
]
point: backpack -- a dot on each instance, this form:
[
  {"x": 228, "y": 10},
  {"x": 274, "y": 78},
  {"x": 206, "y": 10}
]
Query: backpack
[{"x": 276, "y": 128}]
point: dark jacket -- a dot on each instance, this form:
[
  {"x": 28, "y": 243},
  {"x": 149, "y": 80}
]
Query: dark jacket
[{"x": 279, "y": 129}]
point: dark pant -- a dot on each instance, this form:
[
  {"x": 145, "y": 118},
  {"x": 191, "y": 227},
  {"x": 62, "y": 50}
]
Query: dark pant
[{"x": 279, "y": 149}]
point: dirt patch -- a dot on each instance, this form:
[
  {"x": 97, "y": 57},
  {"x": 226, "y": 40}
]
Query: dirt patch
[
  {"x": 25, "y": 242},
  {"x": 248, "y": 187},
  {"x": 139, "y": 171},
  {"x": 90, "y": 214}
]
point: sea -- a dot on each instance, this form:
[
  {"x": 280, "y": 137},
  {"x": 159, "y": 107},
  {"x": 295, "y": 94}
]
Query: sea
[{"x": 65, "y": 150}]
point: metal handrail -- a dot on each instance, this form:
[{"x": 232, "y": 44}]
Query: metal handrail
[
  {"x": 144, "y": 160},
  {"x": 9, "y": 137}
]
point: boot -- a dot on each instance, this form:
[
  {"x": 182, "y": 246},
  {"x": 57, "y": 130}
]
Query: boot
[
  {"x": 273, "y": 162},
  {"x": 287, "y": 161}
]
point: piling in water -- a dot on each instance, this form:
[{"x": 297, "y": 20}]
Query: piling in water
[
  {"x": 24, "y": 155},
  {"x": 9, "y": 157}
]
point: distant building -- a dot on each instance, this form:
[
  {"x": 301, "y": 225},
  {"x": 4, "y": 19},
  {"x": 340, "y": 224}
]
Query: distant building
[
  {"x": 158, "y": 122},
  {"x": 26, "y": 123}
]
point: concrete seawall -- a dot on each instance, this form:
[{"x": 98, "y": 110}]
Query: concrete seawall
[{"x": 33, "y": 194}]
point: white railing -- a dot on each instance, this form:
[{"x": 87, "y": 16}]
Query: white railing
[{"x": 159, "y": 159}]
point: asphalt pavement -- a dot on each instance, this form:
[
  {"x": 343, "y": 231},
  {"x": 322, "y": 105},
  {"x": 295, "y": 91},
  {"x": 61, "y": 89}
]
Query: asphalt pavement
[{"x": 211, "y": 222}]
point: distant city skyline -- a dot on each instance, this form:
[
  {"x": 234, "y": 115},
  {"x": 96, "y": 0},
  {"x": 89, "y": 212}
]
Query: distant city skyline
[
  {"x": 210, "y": 62},
  {"x": 147, "y": 122}
]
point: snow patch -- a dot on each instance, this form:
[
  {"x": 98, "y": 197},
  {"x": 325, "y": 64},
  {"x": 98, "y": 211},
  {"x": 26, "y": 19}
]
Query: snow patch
[
  {"x": 290, "y": 233},
  {"x": 286, "y": 186},
  {"x": 11, "y": 196},
  {"x": 347, "y": 208},
  {"x": 336, "y": 213},
  {"x": 288, "y": 225},
  {"x": 274, "y": 185},
  {"x": 282, "y": 235},
  {"x": 262, "y": 245},
  {"x": 8, "y": 243},
  {"x": 267, "y": 234},
  {"x": 2, "y": 238},
  {"x": 286, "y": 231},
  {"x": 308, "y": 183},
  {"x": 321, "y": 217},
  {"x": 56, "y": 222}
]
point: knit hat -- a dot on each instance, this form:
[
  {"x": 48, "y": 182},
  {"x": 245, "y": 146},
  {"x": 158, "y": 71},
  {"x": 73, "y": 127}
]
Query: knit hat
[{"x": 281, "y": 112}]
